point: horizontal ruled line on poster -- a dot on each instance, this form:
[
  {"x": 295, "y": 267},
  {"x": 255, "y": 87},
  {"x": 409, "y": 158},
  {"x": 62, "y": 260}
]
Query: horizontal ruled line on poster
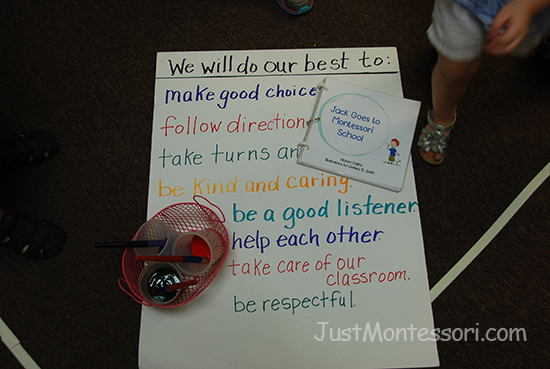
[
  {"x": 282, "y": 75},
  {"x": 243, "y": 64}
]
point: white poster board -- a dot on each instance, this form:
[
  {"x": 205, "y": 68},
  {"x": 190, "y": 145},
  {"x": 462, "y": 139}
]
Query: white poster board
[{"x": 322, "y": 271}]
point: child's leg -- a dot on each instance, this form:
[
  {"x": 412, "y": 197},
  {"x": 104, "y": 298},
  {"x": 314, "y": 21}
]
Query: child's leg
[
  {"x": 449, "y": 81},
  {"x": 459, "y": 38}
]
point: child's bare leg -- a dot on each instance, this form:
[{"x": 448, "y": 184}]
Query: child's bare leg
[{"x": 449, "y": 81}]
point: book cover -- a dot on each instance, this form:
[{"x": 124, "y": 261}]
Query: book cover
[{"x": 360, "y": 134}]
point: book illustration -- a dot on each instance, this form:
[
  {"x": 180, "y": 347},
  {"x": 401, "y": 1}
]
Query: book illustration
[{"x": 392, "y": 147}]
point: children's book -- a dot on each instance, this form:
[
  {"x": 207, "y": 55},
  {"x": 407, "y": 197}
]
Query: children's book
[{"x": 360, "y": 134}]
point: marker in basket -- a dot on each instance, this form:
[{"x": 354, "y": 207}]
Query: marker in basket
[
  {"x": 173, "y": 287},
  {"x": 130, "y": 244},
  {"x": 174, "y": 259}
]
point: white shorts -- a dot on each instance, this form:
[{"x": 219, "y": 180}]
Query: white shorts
[
  {"x": 460, "y": 36},
  {"x": 455, "y": 32}
]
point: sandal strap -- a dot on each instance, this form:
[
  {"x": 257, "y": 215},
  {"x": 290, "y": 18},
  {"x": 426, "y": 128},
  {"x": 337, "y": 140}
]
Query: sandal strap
[
  {"x": 439, "y": 127},
  {"x": 435, "y": 140}
]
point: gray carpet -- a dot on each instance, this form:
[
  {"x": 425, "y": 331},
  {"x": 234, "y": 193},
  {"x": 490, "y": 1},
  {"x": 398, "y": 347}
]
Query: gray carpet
[{"x": 85, "y": 70}]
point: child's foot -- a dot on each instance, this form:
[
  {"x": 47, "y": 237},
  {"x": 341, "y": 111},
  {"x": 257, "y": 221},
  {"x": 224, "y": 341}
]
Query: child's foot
[
  {"x": 296, "y": 7},
  {"x": 28, "y": 148},
  {"x": 33, "y": 238},
  {"x": 433, "y": 141}
]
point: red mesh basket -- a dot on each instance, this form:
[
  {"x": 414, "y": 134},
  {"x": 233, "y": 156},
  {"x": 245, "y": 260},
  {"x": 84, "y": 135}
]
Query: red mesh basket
[{"x": 182, "y": 217}]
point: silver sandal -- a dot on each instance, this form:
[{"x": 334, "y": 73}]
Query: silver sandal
[{"x": 434, "y": 141}]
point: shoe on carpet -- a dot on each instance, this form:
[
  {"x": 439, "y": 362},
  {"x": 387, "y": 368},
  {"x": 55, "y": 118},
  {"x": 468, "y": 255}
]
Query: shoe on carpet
[
  {"x": 28, "y": 148},
  {"x": 296, "y": 7},
  {"x": 31, "y": 237},
  {"x": 434, "y": 141}
]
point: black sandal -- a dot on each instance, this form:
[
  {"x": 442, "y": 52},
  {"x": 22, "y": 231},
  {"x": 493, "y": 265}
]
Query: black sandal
[
  {"x": 28, "y": 148},
  {"x": 29, "y": 236}
]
